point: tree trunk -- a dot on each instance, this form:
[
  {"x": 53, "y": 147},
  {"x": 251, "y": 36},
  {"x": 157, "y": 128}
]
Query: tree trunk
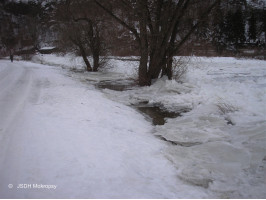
[
  {"x": 96, "y": 62},
  {"x": 169, "y": 68},
  {"x": 144, "y": 79},
  {"x": 95, "y": 46},
  {"x": 84, "y": 56},
  {"x": 156, "y": 66}
]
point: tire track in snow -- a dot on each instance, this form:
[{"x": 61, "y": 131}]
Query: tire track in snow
[
  {"x": 7, "y": 78},
  {"x": 13, "y": 98},
  {"x": 12, "y": 102},
  {"x": 19, "y": 89},
  {"x": 6, "y": 71}
]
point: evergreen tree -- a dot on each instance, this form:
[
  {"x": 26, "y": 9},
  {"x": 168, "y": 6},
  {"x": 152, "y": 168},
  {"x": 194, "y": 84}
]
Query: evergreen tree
[
  {"x": 264, "y": 24},
  {"x": 218, "y": 25},
  {"x": 234, "y": 29},
  {"x": 252, "y": 31}
]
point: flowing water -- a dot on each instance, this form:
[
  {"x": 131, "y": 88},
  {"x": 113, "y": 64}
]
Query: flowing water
[
  {"x": 155, "y": 113},
  {"x": 158, "y": 114},
  {"x": 118, "y": 85}
]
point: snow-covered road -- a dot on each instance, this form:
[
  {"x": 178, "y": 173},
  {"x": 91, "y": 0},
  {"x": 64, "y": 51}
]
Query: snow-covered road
[{"x": 57, "y": 131}]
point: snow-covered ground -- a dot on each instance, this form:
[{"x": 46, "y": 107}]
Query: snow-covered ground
[
  {"x": 58, "y": 131},
  {"x": 92, "y": 143},
  {"x": 221, "y": 142}
]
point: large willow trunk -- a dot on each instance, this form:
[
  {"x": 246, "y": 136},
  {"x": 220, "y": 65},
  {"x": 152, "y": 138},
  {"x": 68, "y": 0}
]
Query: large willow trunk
[{"x": 160, "y": 64}]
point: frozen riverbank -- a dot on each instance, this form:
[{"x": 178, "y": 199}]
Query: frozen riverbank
[{"x": 220, "y": 145}]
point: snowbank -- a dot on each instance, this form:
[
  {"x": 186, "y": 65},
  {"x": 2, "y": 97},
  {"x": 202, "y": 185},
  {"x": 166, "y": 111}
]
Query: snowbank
[{"x": 66, "y": 61}]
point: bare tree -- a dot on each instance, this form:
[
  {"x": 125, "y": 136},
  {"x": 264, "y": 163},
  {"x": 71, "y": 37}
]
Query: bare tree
[
  {"x": 81, "y": 27},
  {"x": 157, "y": 29}
]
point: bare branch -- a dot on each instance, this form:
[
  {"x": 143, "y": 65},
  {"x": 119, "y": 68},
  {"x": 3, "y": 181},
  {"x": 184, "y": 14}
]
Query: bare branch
[
  {"x": 127, "y": 4},
  {"x": 148, "y": 16},
  {"x": 123, "y": 23},
  {"x": 205, "y": 14},
  {"x": 82, "y": 19}
]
